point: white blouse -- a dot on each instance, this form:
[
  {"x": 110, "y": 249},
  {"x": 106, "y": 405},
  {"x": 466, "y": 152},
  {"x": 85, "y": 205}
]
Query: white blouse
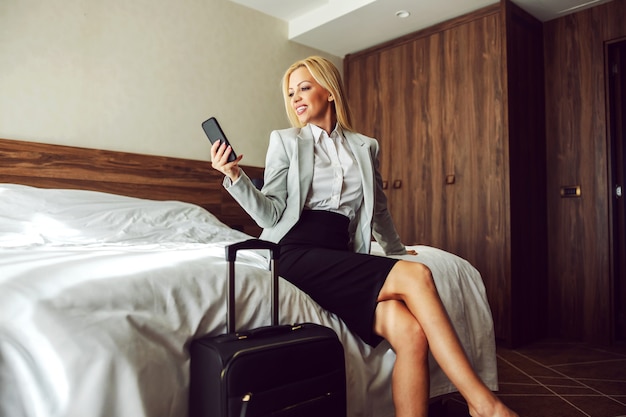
[{"x": 337, "y": 184}]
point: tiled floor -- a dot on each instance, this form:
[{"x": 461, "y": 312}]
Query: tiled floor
[{"x": 556, "y": 379}]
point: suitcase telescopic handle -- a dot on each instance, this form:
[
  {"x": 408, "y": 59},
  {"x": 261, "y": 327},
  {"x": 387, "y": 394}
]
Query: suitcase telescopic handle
[{"x": 231, "y": 257}]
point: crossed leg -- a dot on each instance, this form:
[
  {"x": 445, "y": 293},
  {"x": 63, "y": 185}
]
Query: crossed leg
[
  {"x": 411, "y": 316},
  {"x": 410, "y": 378}
]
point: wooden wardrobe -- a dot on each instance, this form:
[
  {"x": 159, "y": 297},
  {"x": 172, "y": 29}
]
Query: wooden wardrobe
[{"x": 458, "y": 110}]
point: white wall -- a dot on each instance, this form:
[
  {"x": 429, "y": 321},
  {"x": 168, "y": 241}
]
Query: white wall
[{"x": 141, "y": 75}]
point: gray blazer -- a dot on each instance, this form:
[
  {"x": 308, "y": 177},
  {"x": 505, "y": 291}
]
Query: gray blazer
[{"x": 288, "y": 177}]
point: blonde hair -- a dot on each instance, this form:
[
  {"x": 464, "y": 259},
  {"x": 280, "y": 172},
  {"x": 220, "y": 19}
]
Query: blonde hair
[{"x": 327, "y": 75}]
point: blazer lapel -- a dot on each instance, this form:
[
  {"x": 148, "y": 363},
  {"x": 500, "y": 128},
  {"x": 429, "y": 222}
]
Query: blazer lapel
[
  {"x": 304, "y": 160},
  {"x": 362, "y": 154}
]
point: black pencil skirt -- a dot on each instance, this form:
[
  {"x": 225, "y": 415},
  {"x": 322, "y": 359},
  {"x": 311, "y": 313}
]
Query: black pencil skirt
[{"x": 316, "y": 258}]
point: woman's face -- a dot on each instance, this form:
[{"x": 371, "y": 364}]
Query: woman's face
[{"x": 311, "y": 102}]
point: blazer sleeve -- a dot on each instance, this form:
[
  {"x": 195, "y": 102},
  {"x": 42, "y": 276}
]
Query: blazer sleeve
[{"x": 266, "y": 207}]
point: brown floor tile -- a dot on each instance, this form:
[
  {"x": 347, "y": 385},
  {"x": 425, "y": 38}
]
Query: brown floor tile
[
  {"x": 556, "y": 379},
  {"x": 560, "y": 381},
  {"x": 553, "y": 354},
  {"x": 569, "y": 390},
  {"x": 509, "y": 373},
  {"x": 541, "y": 406},
  {"x": 609, "y": 369},
  {"x": 527, "y": 365},
  {"x": 528, "y": 390},
  {"x": 607, "y": 386},
  {"x": 598, "y": 406}
]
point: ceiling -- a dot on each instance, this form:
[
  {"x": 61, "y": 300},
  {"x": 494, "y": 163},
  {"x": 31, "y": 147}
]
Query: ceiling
[{"x": 340, "y": 27}]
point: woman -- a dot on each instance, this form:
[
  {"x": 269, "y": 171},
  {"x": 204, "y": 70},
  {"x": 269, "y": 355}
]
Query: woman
[{"x": 322, "y": 201}]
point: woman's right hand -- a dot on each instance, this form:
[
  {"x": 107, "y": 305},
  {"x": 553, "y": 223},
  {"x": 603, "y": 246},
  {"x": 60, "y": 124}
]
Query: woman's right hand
[{"x": 219, "y": 160}]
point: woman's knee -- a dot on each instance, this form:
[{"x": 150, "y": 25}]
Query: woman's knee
[
  {"x": 399, "y": 327},
  {"x": 407, "y": 276}
]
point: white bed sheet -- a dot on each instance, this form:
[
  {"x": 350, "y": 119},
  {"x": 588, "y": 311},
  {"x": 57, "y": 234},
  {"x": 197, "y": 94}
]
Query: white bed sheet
[{"x": 100, "y": 296}]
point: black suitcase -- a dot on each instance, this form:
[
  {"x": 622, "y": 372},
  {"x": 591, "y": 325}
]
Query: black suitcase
[{"x": 279, "y": 370}]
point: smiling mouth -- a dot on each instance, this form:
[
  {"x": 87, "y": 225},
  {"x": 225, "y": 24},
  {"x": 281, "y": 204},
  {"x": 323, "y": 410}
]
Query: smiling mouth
[{"x": 300, "y": 110}]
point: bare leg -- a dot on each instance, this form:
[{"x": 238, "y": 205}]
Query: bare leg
[
  {"x": 410, "y": 379},
  {"x": 412, "y": 283}
]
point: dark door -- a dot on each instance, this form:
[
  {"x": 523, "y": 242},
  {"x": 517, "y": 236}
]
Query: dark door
[{"x": 617, "y": 137}]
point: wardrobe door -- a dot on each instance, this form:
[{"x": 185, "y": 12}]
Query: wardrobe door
[
  {"x": 436, "y": 103},
  {"x": 399, "y": 138},
  {"x": 472, "y": 120},
  {"x": 431, "y": 154},
  {"x": 462, "y": 200},
  {"x": 369, "y": 94},
  {"x": 380, "y": 87}
]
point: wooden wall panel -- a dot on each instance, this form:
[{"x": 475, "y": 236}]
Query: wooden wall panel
[{"x": 577, "y": 154}]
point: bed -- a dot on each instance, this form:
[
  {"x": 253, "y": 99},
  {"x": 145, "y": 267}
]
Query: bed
[{"x": 111, "y": 263}]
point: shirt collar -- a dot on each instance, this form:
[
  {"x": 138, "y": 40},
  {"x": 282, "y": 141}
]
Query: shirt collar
[{"x": 317, "y": 132}]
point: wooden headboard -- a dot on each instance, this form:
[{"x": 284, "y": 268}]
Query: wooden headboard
[{"x": 135, "y": 175}]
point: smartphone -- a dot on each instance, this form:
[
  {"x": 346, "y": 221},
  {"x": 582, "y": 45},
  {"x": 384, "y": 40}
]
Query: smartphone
[{"x": 214, "y": 132}]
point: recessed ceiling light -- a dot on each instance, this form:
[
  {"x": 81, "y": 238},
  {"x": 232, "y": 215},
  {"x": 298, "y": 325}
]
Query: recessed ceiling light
[{"x": 402, "y": 14}]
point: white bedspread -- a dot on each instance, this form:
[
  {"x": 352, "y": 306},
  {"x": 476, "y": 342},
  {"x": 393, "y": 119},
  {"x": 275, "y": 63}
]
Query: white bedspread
[{"x": 100, "y": 296}]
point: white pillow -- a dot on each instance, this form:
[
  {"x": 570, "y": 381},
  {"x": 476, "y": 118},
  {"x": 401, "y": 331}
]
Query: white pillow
[{"x": 31, "y": 216}]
